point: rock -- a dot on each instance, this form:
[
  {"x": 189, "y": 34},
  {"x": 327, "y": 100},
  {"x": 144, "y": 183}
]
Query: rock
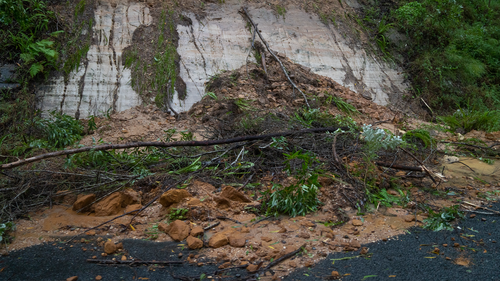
[
  {"x": 335, "y": 274},
  {"x": 282, "y": 230},
  {"x": 225, "y": 265},
  {"x": 252, "y": 267},
  {"x": 232, "y": 194},
  {"x": 450, "y": 159},
  {"x": 124, "y": 258},
  {"x": 109, "y": 206},
  {"x": 309, "y": 263},
  {"x": 197, "y": 185},
  {"x": 307, "y": 223},
  {"x": 65, "y": 197},
  {"x": 179, "y": 230},
  {"x": 194, "y": 202},
  {"x": 357, "y": 222},
  {"x": 472, "y": 216},
  {"x": 72, "y": 278},
  {"x": 173, "y": 196},
  {"x": 364, "y": 251},
  {"x": 292, "y": 264},
  {"x": 222, "y": 203},
  {"x": 355, "y": 244},
  {"x": 90, "y": 232},
  {"x": 218, "y": 240},
  {"x": 98, "y": 277},
  {"x": 83, "y": 202},
  {"x": 493, "y": 136},
  {"x": 304, "y": 235},
  {"x": 197, "y": 231},
  {"x": 266, "y": 239},
  {"x": 194, "y": 243},
  {"x": 130, "y": 197},
  {"x": 110, "y": 247},
  {"x": 237, "y": 240},
  {"x": 131, "y": 208},
  {"x": 245, "y": 230},
  {"x": 392, "y": 192},
  {"x": 163, "y": 227},
  {"x": 409, "y": 218}
]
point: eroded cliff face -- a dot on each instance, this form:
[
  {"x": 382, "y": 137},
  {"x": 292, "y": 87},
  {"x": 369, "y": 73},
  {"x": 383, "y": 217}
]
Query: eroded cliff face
[
  {"x": 214, "y": 43},
  {"x": 101, "y": 82}
]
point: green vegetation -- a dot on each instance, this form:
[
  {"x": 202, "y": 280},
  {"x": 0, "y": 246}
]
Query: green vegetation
[
  {"x": 300, "y": 197},
  {"x": 59, "y": 131},
  {"x": 280, "y": 10},
  {"x": 5, "y": 228},
  {"x": 419, "y": 135},
  {"x": 342, "y": 105},
  {"x": 453, "y": 52},
  {"x": 177, "y": 214},
  {"x": 442, "y": 220},
  {"x": 466, "y": 120},
  {"x": 377, "y": 139}
]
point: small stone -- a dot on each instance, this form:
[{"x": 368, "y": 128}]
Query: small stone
[
  {"x": 104, "y": 255},
  {"x": 309, "y": 263},
  {"x": 472, "y": 216},
  {"x": 72, "y": 278},
  {"x": 282, "y": 230},
  {"x": 436, "y": 251},
  {"x": 335, "y": 274},
  {"x": 173, "y": 196},
  {"x": 357, "y": 222},
  {"x": 452, "y": 238},
  {"x": 292, "y": 264},
  {"x": 193, "y": 243},
  {"x": 218, "y": 240},
  {"x": 180, "y": 254},
  {"x": 266, "y": 239},
  {"x": 124, "y": 258},
  {"x": 384, "y": 239},
  {"x": 179, "y": 230},
  {"x": 197, "y": 231},
  {"x": 448, "y": 258},
  {"x": 483, "y": 219},
  {"x": 109, "y": 247},
  {"x": 90, "y": 232},
  {"x": 445, "y": 245},
  {"x": 364, "y": 251},
  {"x": 456, "y": 245},
  {"x": 252, "y": 267},
  {"x": 225, "y": 265},
  {"x": 237, "y": 240},
  {"x": 98, "y": 277},
  {"x": 355, "y": 244},
  {"x": 307, "y": 223}
]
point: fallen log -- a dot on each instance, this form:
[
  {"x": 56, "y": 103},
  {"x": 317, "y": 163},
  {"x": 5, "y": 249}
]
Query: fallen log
[{"x": 160, "y": 144}]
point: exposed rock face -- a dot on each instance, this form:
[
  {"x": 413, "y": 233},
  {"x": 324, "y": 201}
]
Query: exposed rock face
[
  {"x": 230, "y": 193},
  {"x": 179, "y": 230},
  {"x": 103, "y": 82},
  {"x": 218, "y": 240},
  {"x": 215, "y": 42},
  {"x": 173, "y": 196},
  {"x": 108, "y": 206},
  {"x": 194, "y": 243},
  {"x": 83, "y": 201}
]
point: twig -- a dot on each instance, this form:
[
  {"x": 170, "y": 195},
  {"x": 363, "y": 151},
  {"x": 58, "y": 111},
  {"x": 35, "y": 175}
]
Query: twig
[
  {"x": 481, "y": 207},
  {"x": 479, "y": 212},
  {"x": 421, "y": 163},
  {"x": 466, "y": 166},
  {"x": 472, "y": 145},
  {"x": 287, "y": 256},
  {"x": 160, "y": 144},
  {"x": 262, "y": 219},
  {"x": 211, "y": 226},
  {"x": 400, "y": 167},
  {"x": 246, "y": 182},
  {"x": 133, "y": 262},
  {"x": 245, "y": 12},
  {"x": 229, "y": 219}
]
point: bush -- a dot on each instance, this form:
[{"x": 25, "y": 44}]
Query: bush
[
  {"x": 467, "y": 120},
  {"x": 60, "y": 130},
  {"x": 298, "y": 198}
]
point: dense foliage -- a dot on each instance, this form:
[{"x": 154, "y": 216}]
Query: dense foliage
[{"x": 454, "y": 51}]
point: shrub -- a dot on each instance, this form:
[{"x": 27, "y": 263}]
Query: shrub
[
  {"x": 468, "y": 120},
  {"x": 60, "y": 130}
]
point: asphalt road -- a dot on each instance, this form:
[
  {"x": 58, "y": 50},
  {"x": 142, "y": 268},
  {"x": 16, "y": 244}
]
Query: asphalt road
[{"x": 406, "y": 257}]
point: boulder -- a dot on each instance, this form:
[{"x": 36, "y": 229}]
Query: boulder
[
  {"x": 218, "y": 240},
  {"x": 83, "y": 202},
  {"x": 197, "y": 231},
  {"x": 237, "y": 240},
  {"x": 232, "y": 194},
  {"x": 109, "y": 206},
  {"x": 194, "y": 243},
  {"x": 173, "y": 196},
  {"x": 130, "y": 197},
  {"x": 179, "y": 230}
]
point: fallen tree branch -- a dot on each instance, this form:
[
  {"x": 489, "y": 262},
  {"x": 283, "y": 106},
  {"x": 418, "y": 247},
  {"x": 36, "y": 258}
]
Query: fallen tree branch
[
  {"x": 481, "y": 207},
  {"x": 133, "y": 262},
  {"x": 425, "y": 169},
  {"x": 472, "y": 145},
  {"x": 245, "y": 12},
  {"x": 284, "y": 257},
  {"x": 159, "y": 144},
  {"x": 400, "y": 167}
]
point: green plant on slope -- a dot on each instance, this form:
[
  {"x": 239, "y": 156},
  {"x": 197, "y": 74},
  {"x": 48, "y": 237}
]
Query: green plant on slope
[
  {"x": 4, "y": 231},
  {"x": 420, "y": 135},
  {"x": 342, "y": 105},
  {"x": 468, "y": 120},
  {"x": 177, "y": 214},
  {"x": 60, "y": 130},
  {"x": 377, "y": 139},
  {"x": 299, "y": 198},
  {"x": 442, "y": 220}
]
